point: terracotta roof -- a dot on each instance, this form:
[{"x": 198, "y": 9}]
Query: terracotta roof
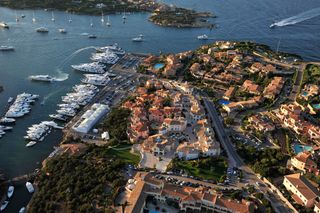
[{"x": 303, "y": 185}]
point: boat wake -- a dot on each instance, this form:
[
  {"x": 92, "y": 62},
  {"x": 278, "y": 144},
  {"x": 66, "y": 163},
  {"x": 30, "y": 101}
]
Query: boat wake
[
  {"x": 299, "y": 18},
  {"x": 73, "y": 55},
  {"x": 45, "y": 98},
  {"x": 62, "y": 76}
]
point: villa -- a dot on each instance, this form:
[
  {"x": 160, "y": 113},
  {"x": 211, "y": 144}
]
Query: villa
[
  {"x": 309, "y": 90},
  {"x": 251, "y": 87},
  {"x": 304, "y": 162},
  {"x": 274, "y": 88},
  {"x": 304, "y": 193},
  {"x": 260, "y": 124}
]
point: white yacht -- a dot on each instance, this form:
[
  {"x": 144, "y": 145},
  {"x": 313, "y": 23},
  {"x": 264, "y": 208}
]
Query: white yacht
[
  {"x": 46, "y": 78},
  {"x": 4, "y": 25},
  {"x": 107, "y": 57},
  {"x": 22, "y": 210},
  {"x": 96, "y": 79},
  {"x": 202, "y": 37},
  {"x": 30, "y": 187},
  {"x": 42, "y": 30},
  {"x": 58, "y": 117},
  {"x": 10, "y": 99},
  {"x": 10, "y": 191},
  {"x": 5, "y": 128},
  {"x": 6, "y": 48},
  {"x": 21, "y": 105},
  {"x": 7, "y": 120},
  {"x": 94, "y": 67},
  {"x": 4, "y": 205},
  {"x": 62, "y": 30},
  {"x": 31, "y": 143},
  {"x": 139, "y": 38},
  {"x": 108, "y": 22},
  {"x": 112, "y": 48}
]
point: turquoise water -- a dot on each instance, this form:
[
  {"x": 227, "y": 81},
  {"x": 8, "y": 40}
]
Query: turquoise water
[
  {"x": 301, "y": 148},
  {"x": 305, "y": 93},
  {"x": 158, "y": 66},
  {"x": 316, "y": 106},
  {"x": 223, "y": 102}
]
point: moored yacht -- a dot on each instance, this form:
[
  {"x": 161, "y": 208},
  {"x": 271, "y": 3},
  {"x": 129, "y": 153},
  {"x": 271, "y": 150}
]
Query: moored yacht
[
  {"x": 10, "y": 191},
  {"x": 31, "y": 143},
  {"x": 4, "y": 205},
  {"x": 6, "y": 48},
  {"x": 107, "y": 57},
  {"x": 94, "y": 67},
  {"x": 30, "y": 187},
  {"x": 42, "y": 30},
  {"x": 139, "y": 38},
  {"x": 4, "y": 25},
  {"x": 112, "y": 48},
  {"x": 62, "y": 30},
  {"x": 202, "y": 37},
  {"x": 7, "y": 120}
]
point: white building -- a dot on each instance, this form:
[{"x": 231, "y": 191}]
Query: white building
[{"x": 90, "y": 118}]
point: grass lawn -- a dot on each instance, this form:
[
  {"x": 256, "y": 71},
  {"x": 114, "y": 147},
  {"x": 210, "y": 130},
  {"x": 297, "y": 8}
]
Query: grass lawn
[
  {"x": 124, "y": 154},
  {"x": 206, "y": 168}
]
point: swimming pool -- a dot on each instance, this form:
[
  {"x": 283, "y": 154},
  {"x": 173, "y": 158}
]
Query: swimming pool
[
  {"x": 301, "y": 148},
  {"x": 223, "y": 102},
  {"x": 316, "y": 106},
  {"x": 304, "y": 94},
  {"x": 158, "y": 66}
]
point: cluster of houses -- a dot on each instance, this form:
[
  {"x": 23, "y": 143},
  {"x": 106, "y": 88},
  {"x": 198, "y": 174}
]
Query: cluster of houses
[
  {"x": 260, "y": 123},
  {"x": 166, "y": 120},
  {"x": 306, "y": 161},
  {"x": 188, "y": 199},
  {"x": 291, "y": 117}
]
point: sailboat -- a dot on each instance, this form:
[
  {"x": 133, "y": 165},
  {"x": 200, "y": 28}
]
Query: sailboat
[
  {"x": 124, "y": 15},
  {"x": 108, "y": 22},
  {"x": 70, "y": 19},
  {"x": 91, "y": 23},
  {"x": 52, "y": 19},
  {"x": 33, "y": 18},
  {"x": 102, "y": 17},
  {"x": 17, "y": 19}
]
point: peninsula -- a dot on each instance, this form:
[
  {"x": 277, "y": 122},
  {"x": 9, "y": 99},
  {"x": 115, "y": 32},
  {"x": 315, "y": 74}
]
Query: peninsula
[{"x": 162, "y": 14}]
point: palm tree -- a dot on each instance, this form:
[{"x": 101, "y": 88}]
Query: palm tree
[{"x": 124, "y": 205}]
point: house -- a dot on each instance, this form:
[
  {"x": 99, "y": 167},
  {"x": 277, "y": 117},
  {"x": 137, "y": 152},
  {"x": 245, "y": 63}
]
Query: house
[
  {"x": 251, "y": 87},
  {"x": 317, "y": 207},
  {"x": 274, "y": 88},
  {"x": 174, "y": 125},
  {"x": 155, "y": 114},
  {"x": 303, "y": 161},
  {"x": 260, "y": 125},
  {"x": 196, "y": 111},
  {"x": 187, "y": 151},
  {"x": 309, "y": 90},
  {"x": 229, "y": 93},
  {"x": 240, "y": 105},
  {"x": 304, "y": 193},
  {"x": 172, "y": 65}
]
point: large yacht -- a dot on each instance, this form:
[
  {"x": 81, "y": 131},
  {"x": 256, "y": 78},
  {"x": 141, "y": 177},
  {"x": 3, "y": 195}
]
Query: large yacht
[
  {"x": 42, "y": 30},
  {"x": 94, "y": 67},
  {"x": 46, "y": 78},
  {"x": 21, "y": 106},
  {"x": 202, "y": 37},
  {"x": 6, "y": 48},
  {"x": 4, "y": 25},
  {"x": 113, "y": 48},
  {"x": 96, "y": 79},
  {"x": 107, "y": 57}
]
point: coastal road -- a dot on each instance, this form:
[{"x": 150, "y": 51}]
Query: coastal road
[
  {"x": 234, "y": 159},
  {"x": 298, "y": 81}
]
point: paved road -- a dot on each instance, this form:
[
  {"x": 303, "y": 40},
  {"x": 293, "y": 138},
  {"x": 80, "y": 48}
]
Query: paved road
[{"x": 234, "y": 159}]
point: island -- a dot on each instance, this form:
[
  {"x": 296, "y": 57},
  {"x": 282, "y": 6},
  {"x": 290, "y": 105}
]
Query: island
[{"x": 162, "y": 14}]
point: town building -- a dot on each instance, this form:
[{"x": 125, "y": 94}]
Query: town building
[{"x": 304, "y": 162}]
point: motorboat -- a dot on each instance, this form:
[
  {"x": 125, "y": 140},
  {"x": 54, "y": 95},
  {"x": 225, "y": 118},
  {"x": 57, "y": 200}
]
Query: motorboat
[
  {"x": 5, "y": 128},
  {"x": 6, "y": 48},
  {"x": 42, "y": 30},
  {"x": 107, "y": 57},
  {"x": 139, "y": 38},
  {"x": 46, "y": 78},
  {"x": 5, "y": 120},
  {"x": 10, "y": 99},
  {"x": 202, "y": 37},
  {"x": 4, "y": 205},
  {"x": 10, "y": 191},
  {"x": 31, "y": 143},
  {"x": 111, "y": 48},
  {"x": 30, "y": 187},
  {"x": 273, "y": 25},
  {"x": 94, "y": 67},
  {"x": 4, "y": 25},
  {"x": 58, "y": 117},
  {"x": 22, "y": 210},
  {"x": 92, "y": 36},
  {"x": 62, "y": 30}
]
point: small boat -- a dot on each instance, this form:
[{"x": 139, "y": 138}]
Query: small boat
[
  {"x": 6, "y": 48},
  {"x": 108, "y": 22},
  {"x": 91, "y": 23},
  {"x": 92, "y": 36},
  {"x": 29, "y": 187},
  {"x": 7, "y": 120},
  {"x": 52, "y": 18},
  {"x": 46, "y": 78},
  {"x": 31, "y": 143},
  {"x": 4, "y": 205},
  {"x": 202, "y": 37},
  {"x": 10, "y": 99},
  {"x": 4, "y": 25},
  {"x": 42, "y": 30},
  {"x": 10, "y": 191},
  {"x": 138, "y": 38},
  {"x": 62, "y": 30},
  {"x": 102, "y": 17},
  {"x": 22, "y": 210}
]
